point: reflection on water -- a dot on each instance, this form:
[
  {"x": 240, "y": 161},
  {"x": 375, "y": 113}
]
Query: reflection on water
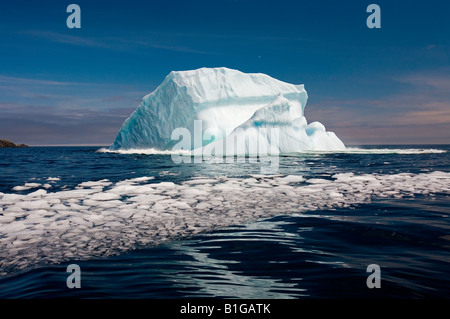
[
  {"x": 322, "y": 254},
  {"x": 215, "y": 278}
]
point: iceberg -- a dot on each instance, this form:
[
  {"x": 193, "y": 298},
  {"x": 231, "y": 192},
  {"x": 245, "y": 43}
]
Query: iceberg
[{"x": 244, "y": 108}]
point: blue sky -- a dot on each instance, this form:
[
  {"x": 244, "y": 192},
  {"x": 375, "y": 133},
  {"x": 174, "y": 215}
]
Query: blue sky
[{"x": 61, "y": 86}]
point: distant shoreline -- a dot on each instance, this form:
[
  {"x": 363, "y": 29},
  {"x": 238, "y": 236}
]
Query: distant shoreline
[{"x": 8, "y": 143}]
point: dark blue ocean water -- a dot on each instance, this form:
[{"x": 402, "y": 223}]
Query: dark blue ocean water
[{"x": 317, "y": 251}]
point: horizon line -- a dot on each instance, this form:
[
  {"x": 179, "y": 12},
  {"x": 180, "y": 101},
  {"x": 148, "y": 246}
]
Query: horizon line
[{"x": 349, "y": 144}]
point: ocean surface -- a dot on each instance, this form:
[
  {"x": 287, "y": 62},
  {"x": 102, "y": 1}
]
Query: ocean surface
[{"x": 143, "y": 226}]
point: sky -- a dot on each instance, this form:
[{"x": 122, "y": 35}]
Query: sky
[{"x": 62, "y": 86}]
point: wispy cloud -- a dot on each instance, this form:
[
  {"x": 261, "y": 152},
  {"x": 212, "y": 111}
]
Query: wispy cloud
[
  {"x": 151, "y": 43},
  {"x": 169, "y": 41},
  {"x": 113, "y": 43},
  {"x": 67, "y": 39},
  {"x": 36, "y": 111},
  {"x": 10, "y": 80},
  {"x": 438, "y": 79},
  {"x": 420, "y": 112},
  {"x": 433, "y": 113},
  {"x": 51, "y": 125}
]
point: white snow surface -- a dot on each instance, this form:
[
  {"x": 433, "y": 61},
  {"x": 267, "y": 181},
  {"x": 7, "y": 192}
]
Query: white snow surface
[{"x": 269, "y": 111}]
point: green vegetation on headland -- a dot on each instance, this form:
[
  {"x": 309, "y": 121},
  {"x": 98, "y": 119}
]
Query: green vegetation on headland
[{"x": 7, "y": 143}]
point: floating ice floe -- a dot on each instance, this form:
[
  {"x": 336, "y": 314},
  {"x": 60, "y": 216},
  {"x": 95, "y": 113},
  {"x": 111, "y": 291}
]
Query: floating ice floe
[{"x": 101, "y": 218}]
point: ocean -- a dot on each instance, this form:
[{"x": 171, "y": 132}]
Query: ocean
[{"x": 143, "y": 226}]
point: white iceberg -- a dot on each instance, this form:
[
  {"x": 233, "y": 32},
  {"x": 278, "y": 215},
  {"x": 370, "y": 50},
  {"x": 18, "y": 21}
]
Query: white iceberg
[{"x": 248, "y": 109}]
